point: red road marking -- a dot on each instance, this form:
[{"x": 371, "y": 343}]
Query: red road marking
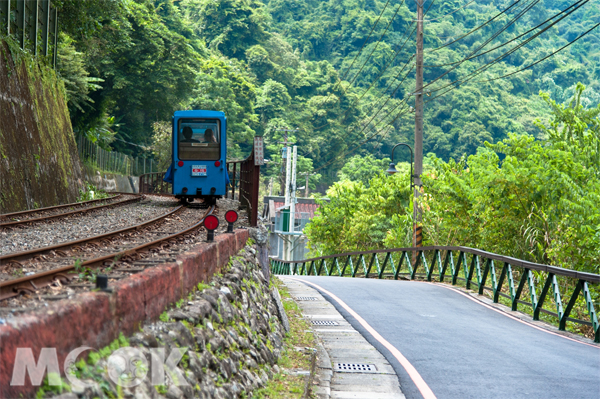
[{"x": 426, "y": 392}]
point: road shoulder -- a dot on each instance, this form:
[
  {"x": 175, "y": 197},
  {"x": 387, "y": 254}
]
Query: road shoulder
[{"x": 341, "y": 343}]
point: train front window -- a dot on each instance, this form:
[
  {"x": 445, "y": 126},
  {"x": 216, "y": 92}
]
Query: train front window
[{"x": 199, "y": 139}]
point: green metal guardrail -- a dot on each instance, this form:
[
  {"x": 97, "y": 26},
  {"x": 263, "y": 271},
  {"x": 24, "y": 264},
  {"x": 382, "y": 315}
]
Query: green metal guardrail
[{"x": 470, "y": 261}]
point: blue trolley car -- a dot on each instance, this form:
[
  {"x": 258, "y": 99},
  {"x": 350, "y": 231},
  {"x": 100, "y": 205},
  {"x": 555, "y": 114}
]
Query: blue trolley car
[{"x": 198, "y": 168}]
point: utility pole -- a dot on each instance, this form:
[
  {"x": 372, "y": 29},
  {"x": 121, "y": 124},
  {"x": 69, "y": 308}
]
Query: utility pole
[
  {"x": 284, "y": 155},
  {"x": 418, "y": 121},
  {"x": 307, "y": 175}
]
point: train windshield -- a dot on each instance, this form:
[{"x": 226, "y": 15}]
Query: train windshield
[{"x": 199, "y": 139}]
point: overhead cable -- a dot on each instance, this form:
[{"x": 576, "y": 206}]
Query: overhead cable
[
  {"x": 495, "y": 35},
  {"x": 522, "y": 69},
  {"x": 475, "y": 29},
  {"x": 501, "y": 57},
  {"x": 510, "y": 41},
  {"x": 358, "y": 53},
  {"x": 450, "y": 13}
]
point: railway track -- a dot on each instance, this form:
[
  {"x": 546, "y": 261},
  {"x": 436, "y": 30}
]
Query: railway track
[
  {"x": 76, "y": 245},
  {"x": 8, "y": 220},
  {"x": 133, "y": 253}
]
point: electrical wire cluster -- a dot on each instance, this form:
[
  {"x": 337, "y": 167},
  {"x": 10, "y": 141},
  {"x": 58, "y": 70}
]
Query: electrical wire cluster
[{"x": 386, "y": 122}]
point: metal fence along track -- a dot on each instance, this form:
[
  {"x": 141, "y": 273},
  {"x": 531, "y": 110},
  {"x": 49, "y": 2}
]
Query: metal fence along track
[
  {"x": 32, "y": 23},
  {"x": 479, "y": 269}
]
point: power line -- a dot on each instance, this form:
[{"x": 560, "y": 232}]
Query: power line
[
  {"x": 510, "y": 41},
  {"x": 450, "y": 13},
  {"x": 375, "y": 80},
  {"x": 358, "y": 53},
  {"x": 379, "y": 41},
  {"x": 524, "y": 68},
  {"x": 495, "y": 35},
  {"x": 475, "y": 29},
  {"x": 397, "y": 51},
  {"x": 363, "y": 142},
  {"x": 501, "y": 57}
]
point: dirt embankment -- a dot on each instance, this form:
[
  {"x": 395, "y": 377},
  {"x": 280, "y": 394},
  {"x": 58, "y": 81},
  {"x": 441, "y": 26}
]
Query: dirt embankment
[{"x": 39, "y": 164}]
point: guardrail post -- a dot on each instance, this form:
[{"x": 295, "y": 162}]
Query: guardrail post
[
  {"x": 385, "y": 261},
  {"x": 456, "y": 268},
  {"x": 539, "y": 304},
  {"x": 511, "y": 283},
  {"x": 348, "y": 261},
  {"x": 394, "y": 269},
  {"x": 361, "y": 260},
  {"x": 379, "y": 269},
  {"x": 557, "y": 297},
  {"x": 408, "y": 263},
  {"x": 313, "y": 267},
  {"x": 591, "y": 311},
  {"x": 532, "y": 293},
  {"x": 425, "y": 265},
  {"x": 436, "y": 256},
  {"x": 471, "y": 269},
  {"x": 335, "y": 261},
  {"x": 449, "y": 259},
  {"x": 520, "y": 289},
  {"x": 563, "y": 321},
  {"x": 417, "y": 259},
  {"x": 484, "y": 276},
  {"x": 466, "y": 270},
  {"x": 368, "y": 270},
  {"x": 498, "y": 288}
]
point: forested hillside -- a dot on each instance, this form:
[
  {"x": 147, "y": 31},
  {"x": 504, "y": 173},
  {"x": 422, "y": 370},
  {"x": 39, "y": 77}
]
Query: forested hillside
[{"x": 342, "y": 72}]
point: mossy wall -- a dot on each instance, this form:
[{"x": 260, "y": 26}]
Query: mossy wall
[{"x": 39, "y": 164}]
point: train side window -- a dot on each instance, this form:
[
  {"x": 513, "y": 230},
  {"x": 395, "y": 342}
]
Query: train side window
[{"x": 199, "y": 139}]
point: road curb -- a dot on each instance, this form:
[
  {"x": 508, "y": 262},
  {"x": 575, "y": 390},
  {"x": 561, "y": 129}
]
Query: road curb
[{"x": 341, "y": 343}]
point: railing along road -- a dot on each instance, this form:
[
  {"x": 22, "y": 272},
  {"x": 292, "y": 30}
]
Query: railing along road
[{"x": 478, "y": 269}]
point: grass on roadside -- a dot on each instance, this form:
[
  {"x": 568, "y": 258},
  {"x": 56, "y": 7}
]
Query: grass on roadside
[{"x": 286, "y": 384}]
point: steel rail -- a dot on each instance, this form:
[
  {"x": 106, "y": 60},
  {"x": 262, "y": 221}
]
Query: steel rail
[
  {"x": 6, "y": 259},
  {"x": 83, "y": 210},
  {"x": 29, "y": 284},
  {"x": 20, "y": 213},
  {"x": 477, "y": 271}
]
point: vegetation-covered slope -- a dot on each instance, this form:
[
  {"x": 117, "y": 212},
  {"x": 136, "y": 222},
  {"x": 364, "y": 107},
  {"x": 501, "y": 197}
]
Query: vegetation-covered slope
[{"x": 279, "y": 64}]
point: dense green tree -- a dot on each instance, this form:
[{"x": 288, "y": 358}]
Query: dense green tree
[
  {"x": 528, "y": 198},
  {"x": 223, "y": 85}
]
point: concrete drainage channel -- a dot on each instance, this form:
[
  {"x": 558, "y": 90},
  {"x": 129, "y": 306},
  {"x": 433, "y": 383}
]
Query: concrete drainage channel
[{"x": 347, "y": 365}]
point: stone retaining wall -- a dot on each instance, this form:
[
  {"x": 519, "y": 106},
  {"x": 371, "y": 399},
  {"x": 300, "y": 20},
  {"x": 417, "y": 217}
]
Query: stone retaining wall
[
  {"x": 96, "y": 318},
  {"x": 39, "y": 164},
  {"x": 111, "y": 182}
]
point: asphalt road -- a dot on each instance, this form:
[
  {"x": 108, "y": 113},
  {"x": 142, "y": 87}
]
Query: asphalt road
[{"x": 463, "y": 349}]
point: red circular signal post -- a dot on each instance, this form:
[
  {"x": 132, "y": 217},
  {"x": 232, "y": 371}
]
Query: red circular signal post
[
  {"x": 211, "y": 223},
  {"x": 230, "y": 216}
]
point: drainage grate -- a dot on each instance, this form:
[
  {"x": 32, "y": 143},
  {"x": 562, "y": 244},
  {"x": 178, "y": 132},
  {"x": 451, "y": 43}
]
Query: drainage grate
[
  {"x": 354, "y": 367},
  {"x": 321, "y": 322},
  {"x": 304, "y": 298}
]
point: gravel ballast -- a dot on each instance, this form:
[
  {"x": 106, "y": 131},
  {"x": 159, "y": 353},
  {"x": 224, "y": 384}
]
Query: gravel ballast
[{"x": 81, "y": 226}]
